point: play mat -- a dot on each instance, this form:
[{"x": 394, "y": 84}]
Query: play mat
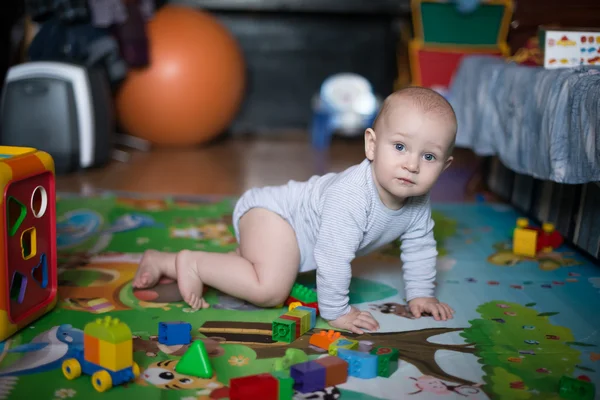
[{"x": 520, "y": 323}]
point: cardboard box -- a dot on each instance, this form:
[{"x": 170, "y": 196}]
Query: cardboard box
[{"x": 569, "y": 47}]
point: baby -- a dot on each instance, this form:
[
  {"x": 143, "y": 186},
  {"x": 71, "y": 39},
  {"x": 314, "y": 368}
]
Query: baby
[{"x": 325, "y": 222}]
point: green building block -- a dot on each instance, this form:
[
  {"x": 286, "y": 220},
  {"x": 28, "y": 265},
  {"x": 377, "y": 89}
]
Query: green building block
[
  {"x": 284, "y": 330},
  {"x": 286, "y": 385},
  {"x": 108, "y": 329},
  {"x": 195, "y": 361},
  {"x": 576, "y": 389},
  {"x": 387, "y": 360},
  {"x": 303, "y": 293}
]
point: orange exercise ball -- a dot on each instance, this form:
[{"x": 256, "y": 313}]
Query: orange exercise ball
[{"x": 194, "y": 85}]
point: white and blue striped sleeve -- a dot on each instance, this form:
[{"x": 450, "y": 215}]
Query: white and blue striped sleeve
[
  {"x": 343, "y": 223},
  {"x": 419, "y": 254}
]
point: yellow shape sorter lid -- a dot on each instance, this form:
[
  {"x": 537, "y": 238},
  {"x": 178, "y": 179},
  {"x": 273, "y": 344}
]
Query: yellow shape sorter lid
[{"x": 109, "y": 329}]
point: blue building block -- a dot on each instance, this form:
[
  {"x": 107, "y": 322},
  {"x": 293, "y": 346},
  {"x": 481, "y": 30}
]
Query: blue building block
[
  {"x": 308, "y": 376},
  {"x": 313, "y": 315},
  {"x": 173, "y": 333},
  {"x": 360, "y": 365}
]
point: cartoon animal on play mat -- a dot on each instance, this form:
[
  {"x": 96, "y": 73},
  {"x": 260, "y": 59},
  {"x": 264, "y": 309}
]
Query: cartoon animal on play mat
[
  {"x": 162, "y": 375},
  {"x": 46, "y": 351},
  {"x": 430, "y": 384},
  {"x": 549, "y": 261},
  {"x": 400, "y": 310}
]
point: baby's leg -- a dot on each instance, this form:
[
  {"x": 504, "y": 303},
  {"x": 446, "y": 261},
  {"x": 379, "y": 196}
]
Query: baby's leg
[
  {"x": 262, "y": 273},
  {"x": 154, "y": 265}
]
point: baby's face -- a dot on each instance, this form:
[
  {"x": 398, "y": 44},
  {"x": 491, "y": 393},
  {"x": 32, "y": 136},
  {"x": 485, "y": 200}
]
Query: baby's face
[{"x": 410, "y": 152}]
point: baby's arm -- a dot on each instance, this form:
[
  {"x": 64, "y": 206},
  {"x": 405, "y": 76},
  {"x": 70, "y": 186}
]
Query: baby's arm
[
  {"x": 342, "y": 225},
  {"x": 419, "y": 255}
]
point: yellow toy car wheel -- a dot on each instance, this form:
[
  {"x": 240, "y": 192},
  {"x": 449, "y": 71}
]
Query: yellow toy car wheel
[
  {"x": 136, "y": 370},
  {"x": 71, "y": 368},
  {"x": 101, "y": 381}
]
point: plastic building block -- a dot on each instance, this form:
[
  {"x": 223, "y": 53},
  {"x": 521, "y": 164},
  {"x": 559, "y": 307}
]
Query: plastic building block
[
  {"x": 303, "y": 293},
  {"x": 28, "y": 267},
  {"x": 576, "y": 389},
  {"x": 297, "y": 324},
  {"x": 195, "y": 361},
  {"x": 313, "y": 314},
  {"x": 342, "y": 343},
  {"x": 336, "y": 370},
  {"x": 361, "y": 365},
  {"x": 304, "y": 319},
  {"x": 291, "y": 357},
  {"x": 314, "y": 304},
  {"x": 286, "y": 385},
  {"x": 294, "y": 305},
  {"x": 308, "y": 376},
  {"x": 107, "y": 355},
  {"x": 387, "y": 360},
  {"x": 253, "y": 387},
  {"x": 284, "y": 330},
  {"x": 109, "y": 329},
  {"x": 324, "y": 339},
  {"x": 173, "y": 333},
  {"x": 524, "y": 239}
]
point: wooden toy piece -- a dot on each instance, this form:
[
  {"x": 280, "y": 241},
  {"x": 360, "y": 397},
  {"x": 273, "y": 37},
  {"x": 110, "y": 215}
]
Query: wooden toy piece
[
  {"x": 336, "y": 370},
  {"x": 107, "y": 355},
  {"x": 195, "y": 361},
  {"x": 324, "y": 339},
  {"x": 253, "y": 387},
  {"x": 28, "y": 281},
  {"x": 524, "y": 239}
]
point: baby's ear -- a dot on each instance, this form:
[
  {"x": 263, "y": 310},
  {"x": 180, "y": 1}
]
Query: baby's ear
[
  {"x": 370, "y": 140},
  {"x": 448, "y": 162}
]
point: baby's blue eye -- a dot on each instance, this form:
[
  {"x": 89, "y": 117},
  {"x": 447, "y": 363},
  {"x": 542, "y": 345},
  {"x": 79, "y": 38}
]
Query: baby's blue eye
[
  {"x": 429, "y": 157},
  {"x": 399, "y": 147}
]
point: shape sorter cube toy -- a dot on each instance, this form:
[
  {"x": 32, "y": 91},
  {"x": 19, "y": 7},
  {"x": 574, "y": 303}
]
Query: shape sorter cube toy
[
  {"x": 173, "y": 333},
  {"x": 27, "y": 237}
]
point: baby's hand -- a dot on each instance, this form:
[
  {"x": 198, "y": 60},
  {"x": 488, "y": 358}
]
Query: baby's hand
[
  {"x": 431, "y": 305},
  {"x": 355, "y": 320}
]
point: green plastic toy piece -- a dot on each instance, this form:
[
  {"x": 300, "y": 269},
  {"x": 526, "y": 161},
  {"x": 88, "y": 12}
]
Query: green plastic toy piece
[
  {"x": 286, "y": 385},
  {"x": 291, "y": 357},
  {"x": 284, "y": 330},
  {"x": 109, "y": 329},
  {"x": 303, "y": 293},
  {"x": 195, "y": 361},
  {"x": 16, "y": 213},
  {"x": 387, "y": 360},
  {"x": 576, "y": 389}
]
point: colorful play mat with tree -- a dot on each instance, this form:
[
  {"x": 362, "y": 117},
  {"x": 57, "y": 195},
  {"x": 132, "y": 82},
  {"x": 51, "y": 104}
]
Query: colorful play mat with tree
[{"x": 520, "y": 324}]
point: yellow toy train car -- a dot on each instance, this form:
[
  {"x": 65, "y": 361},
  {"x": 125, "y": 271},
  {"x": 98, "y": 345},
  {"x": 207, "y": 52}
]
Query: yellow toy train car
[{"x": 107, "y": 355}]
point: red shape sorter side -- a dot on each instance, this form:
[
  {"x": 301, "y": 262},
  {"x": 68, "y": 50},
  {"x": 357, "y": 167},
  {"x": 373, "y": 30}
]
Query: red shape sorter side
[
  {"x": 434, "y": 66},
  {"x": 28, "y": 279}
]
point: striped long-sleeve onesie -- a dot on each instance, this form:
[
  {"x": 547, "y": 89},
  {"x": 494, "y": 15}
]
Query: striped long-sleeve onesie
[{"x": 339, "y": 216}]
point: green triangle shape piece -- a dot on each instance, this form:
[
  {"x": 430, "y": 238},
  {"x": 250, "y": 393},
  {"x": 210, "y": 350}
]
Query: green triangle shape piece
[{"x": 195, "y": 361}]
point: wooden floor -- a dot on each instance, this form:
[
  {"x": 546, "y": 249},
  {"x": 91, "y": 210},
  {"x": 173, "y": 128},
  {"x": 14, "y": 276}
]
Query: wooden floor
[{"x": 230, "y": 166}]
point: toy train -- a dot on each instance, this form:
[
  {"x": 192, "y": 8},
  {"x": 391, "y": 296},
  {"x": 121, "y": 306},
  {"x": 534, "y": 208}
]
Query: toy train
[{"x": 107, "y": 355}]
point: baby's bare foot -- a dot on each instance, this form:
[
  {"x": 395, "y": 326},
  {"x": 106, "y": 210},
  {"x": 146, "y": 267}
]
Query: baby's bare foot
[
  {"x": 188, "y": 279},
  {"x": 154, "y": 265}
]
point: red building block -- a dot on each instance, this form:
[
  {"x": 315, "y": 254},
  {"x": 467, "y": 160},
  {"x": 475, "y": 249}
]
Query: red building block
[{"x": 262, "y": 386}]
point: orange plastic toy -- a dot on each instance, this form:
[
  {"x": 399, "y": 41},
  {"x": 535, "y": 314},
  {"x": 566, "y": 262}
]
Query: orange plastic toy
[
  {"x": 194, "y": 85},
  {"x": 27, "y": 237}
]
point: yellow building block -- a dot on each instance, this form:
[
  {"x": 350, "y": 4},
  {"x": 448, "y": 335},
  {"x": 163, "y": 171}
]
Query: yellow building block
[
  {"x": 304, "y": 319},
  {"x": 109, "y": 329},
  {"x": 116, "y": 356},
  {"x": 342, "y": 343},
  {"x": 525, "y": 242}
]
